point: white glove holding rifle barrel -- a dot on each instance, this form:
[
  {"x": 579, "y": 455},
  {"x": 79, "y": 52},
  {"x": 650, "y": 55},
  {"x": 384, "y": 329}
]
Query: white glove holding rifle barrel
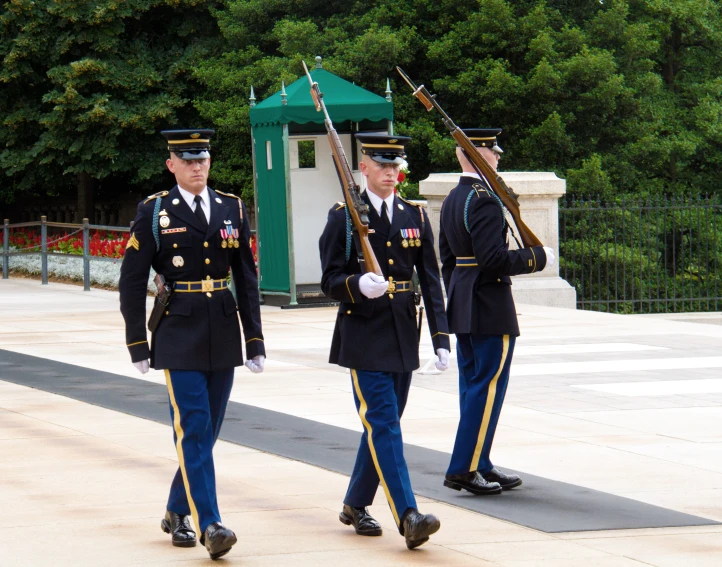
[
  {"x": 550, "y": 257},
  {"x": 372, "y": 285}
]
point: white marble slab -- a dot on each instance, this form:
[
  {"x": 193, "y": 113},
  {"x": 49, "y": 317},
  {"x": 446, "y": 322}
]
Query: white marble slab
[
  {"x": 593, "y": 366},
  {"x": 663, "y": 388}
]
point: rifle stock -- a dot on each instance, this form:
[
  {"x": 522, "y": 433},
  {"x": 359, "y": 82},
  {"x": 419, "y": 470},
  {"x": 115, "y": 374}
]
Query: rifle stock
[
  {"x": 357, "y": 208},
  {"x": 500, "y": 188}
]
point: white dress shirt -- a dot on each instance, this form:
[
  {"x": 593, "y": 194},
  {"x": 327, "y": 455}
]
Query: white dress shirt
[
  {"x": 376, "y": 201},
  {"x": 189, "y": 198}
]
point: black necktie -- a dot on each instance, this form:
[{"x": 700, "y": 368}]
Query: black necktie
[
  {"x": 200, "y": 215},
  {"x": 385, "y": 215}
]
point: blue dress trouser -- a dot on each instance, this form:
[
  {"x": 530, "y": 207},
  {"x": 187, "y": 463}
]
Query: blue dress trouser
[
  {"x": 484, "y": 362},
  {"x": 380, "y": 400},
  {"x": 198, "y": 403}
]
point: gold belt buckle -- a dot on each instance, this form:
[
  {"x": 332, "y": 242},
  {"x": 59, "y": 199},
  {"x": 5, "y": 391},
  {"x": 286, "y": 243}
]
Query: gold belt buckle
[{"x": 206, "y": 285}]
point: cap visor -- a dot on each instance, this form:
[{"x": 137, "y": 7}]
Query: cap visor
[
  {"x": 186, "y": 155},
  {"x": 396, "y": 160}
]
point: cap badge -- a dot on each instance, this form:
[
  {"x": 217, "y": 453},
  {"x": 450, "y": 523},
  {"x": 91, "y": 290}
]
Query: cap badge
[
  {"x": 196, "y": 135},
  {"x": 393, "y": 141}
]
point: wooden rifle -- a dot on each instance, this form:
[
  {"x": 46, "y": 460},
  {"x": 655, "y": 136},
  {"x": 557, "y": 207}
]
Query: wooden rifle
[
  {"x": 357, "y": 207},
  {"x": 482, "y": 167}
]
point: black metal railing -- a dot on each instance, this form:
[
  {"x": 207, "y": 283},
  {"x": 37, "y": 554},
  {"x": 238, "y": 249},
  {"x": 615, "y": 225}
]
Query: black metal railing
[
  {"x": 643, "y": 256},
  {"x": 42, "y": 247}
]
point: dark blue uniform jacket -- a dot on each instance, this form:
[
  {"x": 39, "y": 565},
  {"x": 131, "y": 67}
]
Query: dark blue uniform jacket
[
  {"x": 200, "y": 330},
  {"x": 473, "y": 225},
  {"x": 381, "y": 334}
]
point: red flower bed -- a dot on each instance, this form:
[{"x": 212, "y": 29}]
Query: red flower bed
[{"x": 103, "y": 243}]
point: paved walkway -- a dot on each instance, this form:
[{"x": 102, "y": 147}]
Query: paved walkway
[{"x": 628, "y": 405}]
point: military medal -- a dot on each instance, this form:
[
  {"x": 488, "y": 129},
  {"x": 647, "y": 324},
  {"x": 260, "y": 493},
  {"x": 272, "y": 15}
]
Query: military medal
[
  {"x": 235, "y": 239},
  {"x": 164, "y": 219},
  {"x": 404, "y": 242},
  {"x": 417, "y": 240},
  {"x": 226, "y": 234},
  {"x": 412, "y": 242}
]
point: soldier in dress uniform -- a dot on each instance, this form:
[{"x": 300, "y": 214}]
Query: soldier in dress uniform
[
  {"x": 193, "y": 235},
  {"x": 476, "y": 266},
  {"x": 376, "y": 334}
]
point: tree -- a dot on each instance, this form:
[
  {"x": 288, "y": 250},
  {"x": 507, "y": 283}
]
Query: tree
[{"x": 87, "y": 85}]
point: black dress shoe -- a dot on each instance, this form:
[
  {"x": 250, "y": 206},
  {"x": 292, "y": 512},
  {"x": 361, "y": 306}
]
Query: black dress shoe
[
  {"x": 473, "y": 482},
  {"x": 218, "y": 540},
  {"x": 418, "y": 527},
  {"x": 179, "y": 526},
  {"x": 361, "y": 520},
  {"x": 506, "y": 481}
]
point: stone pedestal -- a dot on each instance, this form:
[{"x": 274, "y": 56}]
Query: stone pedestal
[{"x": 539, "y": 194}]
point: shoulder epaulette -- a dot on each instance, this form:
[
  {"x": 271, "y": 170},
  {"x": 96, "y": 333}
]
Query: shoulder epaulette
[
  {"x": 409, "y": 202},
  {"x": 478, "y": 188},
  {"x": 227, "y": 194},
  {"x": 151, "y": 197},
  {"x": 341, "y": 205},
  {"x": 232, "y": 196}
]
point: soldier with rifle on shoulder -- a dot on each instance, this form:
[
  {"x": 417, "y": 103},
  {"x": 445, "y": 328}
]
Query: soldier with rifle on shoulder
[
  {"x": 477, "y": 266},
  {"x": 376, "y": 333},
  {"x": 370, "y": 247}
]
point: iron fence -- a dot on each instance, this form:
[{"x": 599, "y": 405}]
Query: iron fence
[
  {"x": 643, "y": 256},
  {"x": 42, "y": 248},
  {"x": 85, "y": 228}
]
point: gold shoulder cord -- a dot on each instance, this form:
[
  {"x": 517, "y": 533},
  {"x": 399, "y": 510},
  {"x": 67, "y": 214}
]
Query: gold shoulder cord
[{"x": 160, "y": 194}]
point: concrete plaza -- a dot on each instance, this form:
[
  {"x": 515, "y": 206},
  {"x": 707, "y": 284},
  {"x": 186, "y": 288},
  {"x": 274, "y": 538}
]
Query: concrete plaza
[{"x": 629, "y": 406}]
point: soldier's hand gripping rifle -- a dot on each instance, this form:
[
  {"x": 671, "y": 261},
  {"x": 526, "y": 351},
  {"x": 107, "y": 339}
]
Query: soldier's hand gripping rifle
[
  {"x": 357, "y": 208},
  {"x": 482, "y": 167}
]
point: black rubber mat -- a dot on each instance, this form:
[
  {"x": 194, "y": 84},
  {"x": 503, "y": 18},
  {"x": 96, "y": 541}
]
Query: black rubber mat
[{"x": 542, "y": 504}]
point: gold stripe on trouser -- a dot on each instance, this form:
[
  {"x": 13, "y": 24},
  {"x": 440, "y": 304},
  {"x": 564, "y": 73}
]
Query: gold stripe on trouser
[
  {"x": 362, "y": 414},
  {"x": 179, "y": 448},
  {"x": 490, "y": 397}
]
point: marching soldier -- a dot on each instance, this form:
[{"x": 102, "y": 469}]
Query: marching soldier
[
  {"x": 476, "y": 266},
  {"x": 192, "y": 235},
  {"x": 376, "y": 333}
]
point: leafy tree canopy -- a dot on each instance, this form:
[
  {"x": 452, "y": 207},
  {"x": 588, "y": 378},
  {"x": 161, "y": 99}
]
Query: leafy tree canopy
[{"x": 614, "y": 95}]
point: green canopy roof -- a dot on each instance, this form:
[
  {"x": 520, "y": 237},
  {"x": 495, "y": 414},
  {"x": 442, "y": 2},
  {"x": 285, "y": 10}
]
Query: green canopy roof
[{"x": 344, "y": 101}]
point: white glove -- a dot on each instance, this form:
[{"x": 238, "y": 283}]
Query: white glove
[
  {"x": 550, "y": 257},
  {"x": 255, "y": 365},
  {"x": 443, "y": 362},
  {"x": 372, "y": 285},
  {"x": 142, "y": 365}
]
